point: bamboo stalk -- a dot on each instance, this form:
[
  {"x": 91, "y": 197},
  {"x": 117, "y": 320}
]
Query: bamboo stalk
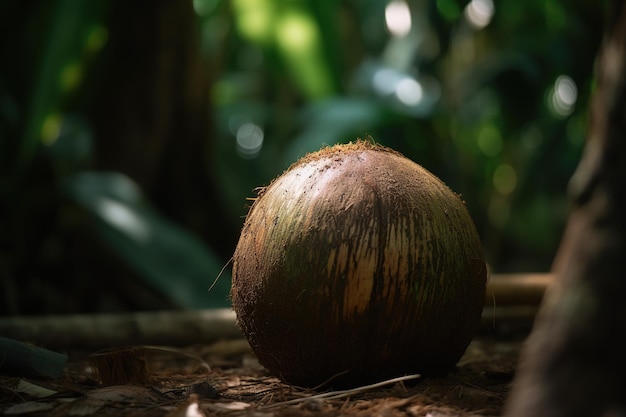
[
  {"x": 95, "y": 331},
  {"x": 510, "y": 300},
  {"x": 516, "y": 289}
]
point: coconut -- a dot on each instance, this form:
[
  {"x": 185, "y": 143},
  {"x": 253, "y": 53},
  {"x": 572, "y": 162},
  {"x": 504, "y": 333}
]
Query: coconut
[{"x": 357, "y": 264}]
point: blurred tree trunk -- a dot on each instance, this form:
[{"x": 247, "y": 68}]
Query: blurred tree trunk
[
  {"x": 152, "y": 117},
  {"x": 575, "y": 360}
]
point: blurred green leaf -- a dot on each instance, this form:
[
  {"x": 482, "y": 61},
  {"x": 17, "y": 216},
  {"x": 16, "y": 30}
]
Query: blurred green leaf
[
  {"x": 168, "y": 258},
  {"x": 292, "y": 32},
  {"x": 74, "y": 29}
]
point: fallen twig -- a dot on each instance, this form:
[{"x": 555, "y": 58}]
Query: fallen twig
[{"x": 334, "y": 395}]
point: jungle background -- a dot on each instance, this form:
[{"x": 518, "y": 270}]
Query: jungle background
[{"x": 132, "y": 133}]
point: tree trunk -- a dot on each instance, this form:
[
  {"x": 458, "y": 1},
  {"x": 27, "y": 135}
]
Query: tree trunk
[
  {"x": 575, "y": 360},
  {"x": 152, "y": 115}
]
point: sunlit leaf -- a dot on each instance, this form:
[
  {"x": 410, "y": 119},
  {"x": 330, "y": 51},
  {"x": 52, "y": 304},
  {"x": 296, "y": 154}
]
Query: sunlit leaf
[
  {"x": 293, "y": 32},
  {"x": 298, "y": 40}
]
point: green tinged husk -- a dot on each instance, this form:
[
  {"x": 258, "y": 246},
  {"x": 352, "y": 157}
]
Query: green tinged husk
[{"x": 357, "y": 261}]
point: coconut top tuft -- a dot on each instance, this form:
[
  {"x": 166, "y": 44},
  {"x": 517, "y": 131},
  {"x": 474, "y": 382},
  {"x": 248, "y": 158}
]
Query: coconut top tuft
[
  {"x": 342, "y": 148},
  {"x": 336, "y": 150}
]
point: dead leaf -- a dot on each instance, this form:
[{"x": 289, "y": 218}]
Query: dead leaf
[
  {"x": 84, "y": 407},
  {"x": 30, "y": 407},
  {"x": 116, "y": 395},
  {"x": 125, "y": 394},
  {"x": 37, "y": 391}
]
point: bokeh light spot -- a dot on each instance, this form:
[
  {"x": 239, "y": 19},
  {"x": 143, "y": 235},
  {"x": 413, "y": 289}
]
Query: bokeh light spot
[
  {"x": 296, "y": 32},
  {"x": 409, "y": 91},
  {"x": 249, "y": 140},
  {"x": 71, "y": 76},
  {"x": 398, "y": 18},
  {"x": 564, "y": 96},
  {"x": 51, "y": 129},
  {"x": 255, "y": 19},
  {"x": 385, "y": 81},
  {"x": 479, "y": 13},
  {"x": 97, "y": 38}
]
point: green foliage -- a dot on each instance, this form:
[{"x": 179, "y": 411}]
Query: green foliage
[
  {"x": 169, "y": 258},
  {"x": 478, "y": 106},
  {"x": 498, "y": 110}
]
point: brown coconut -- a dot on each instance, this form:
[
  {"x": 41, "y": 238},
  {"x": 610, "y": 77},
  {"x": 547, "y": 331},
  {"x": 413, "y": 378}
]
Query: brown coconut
[{"x": 357, "y": 263}]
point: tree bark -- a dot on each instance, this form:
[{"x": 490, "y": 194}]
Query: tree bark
[{"x": 574, "y": 363}]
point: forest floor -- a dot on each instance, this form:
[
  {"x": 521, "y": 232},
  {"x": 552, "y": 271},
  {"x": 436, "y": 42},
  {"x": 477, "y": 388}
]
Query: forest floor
[{"x": 172, "y": 384}]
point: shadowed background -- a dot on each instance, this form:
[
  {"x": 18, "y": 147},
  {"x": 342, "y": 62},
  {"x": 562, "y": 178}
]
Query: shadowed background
[{"x": 131, "y": 133}]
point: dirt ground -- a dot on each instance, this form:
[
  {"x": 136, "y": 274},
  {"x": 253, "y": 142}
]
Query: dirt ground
[{"x": 176, "y": 384}]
